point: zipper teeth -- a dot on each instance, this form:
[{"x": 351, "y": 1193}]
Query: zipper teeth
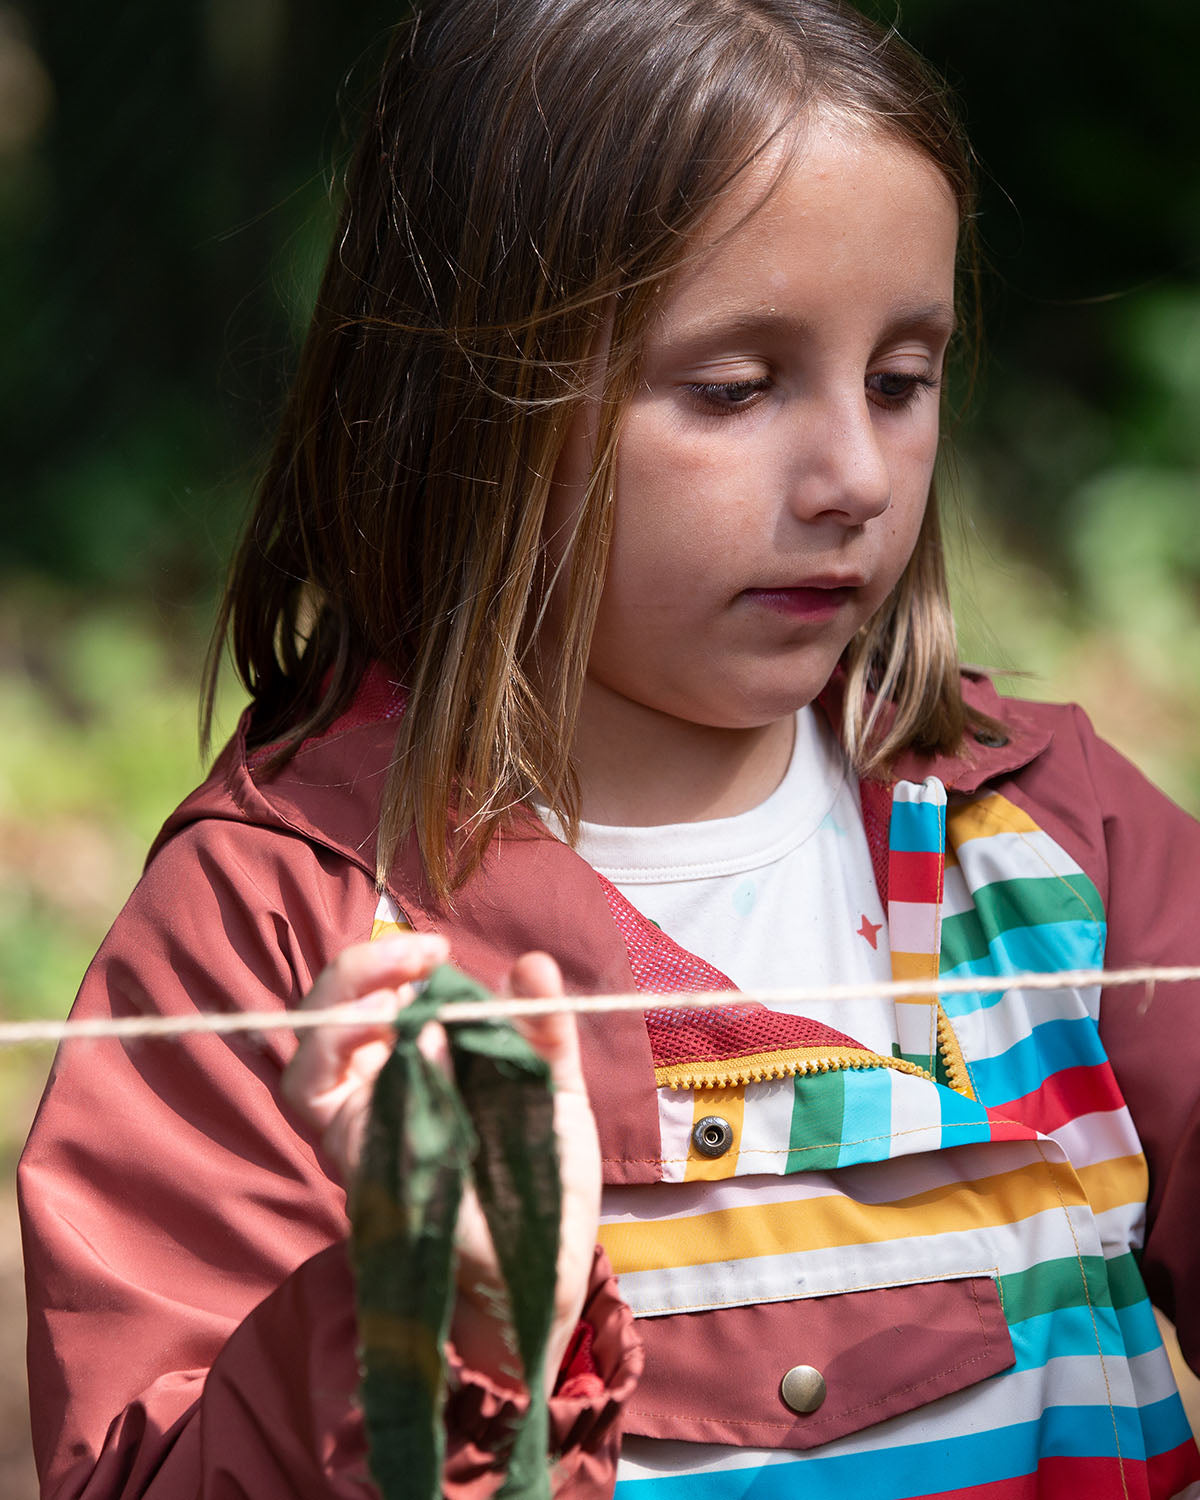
[
  {"x": 955, "y": 1074},
  {"x": 736, "y": 1078}
]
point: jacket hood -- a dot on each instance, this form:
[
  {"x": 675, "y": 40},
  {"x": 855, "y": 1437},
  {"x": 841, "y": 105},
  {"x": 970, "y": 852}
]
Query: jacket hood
[{"x": 329, "y": 791}]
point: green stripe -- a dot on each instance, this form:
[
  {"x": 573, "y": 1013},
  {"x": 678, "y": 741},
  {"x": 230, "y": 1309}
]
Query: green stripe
[
  {"x": 816, "y": 1135},
  {"x": 1125, "y": 1280},
  {"x": 1006, "y": 904},
  {"x": 1058, "y": 1283},
  {"x": 963, "y": 940}
]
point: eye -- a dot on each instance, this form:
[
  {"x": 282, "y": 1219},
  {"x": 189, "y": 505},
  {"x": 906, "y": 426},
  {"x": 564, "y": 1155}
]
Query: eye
[
  {"x": 896, "y": 389},
  {"x": 723, "y": 398}
]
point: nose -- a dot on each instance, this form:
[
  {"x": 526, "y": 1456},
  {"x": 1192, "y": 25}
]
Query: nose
[{"x": 841, "y": 471}]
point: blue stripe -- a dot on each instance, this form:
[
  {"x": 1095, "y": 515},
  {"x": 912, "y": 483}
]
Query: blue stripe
[
  {"x": 866, "y": 1116},
  {"x": 1164, "y": 1425},
  {"x": 1023, "y": 950},
  {"x": 1025, "y": 1066},
  {"x": 905, "y": 1472},
  {"x": 1139, "y": 1329},
  {"x": 1066, "y": 1332},
  {"x": 916, "y": 827},
  {"x": 963, "y": 1120}
]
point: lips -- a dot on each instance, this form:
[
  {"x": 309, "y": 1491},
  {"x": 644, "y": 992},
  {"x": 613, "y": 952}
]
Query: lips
[{"x": 815, "y": 599}]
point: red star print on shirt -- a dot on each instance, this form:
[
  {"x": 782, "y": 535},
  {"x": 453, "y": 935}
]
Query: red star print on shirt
[{"x": 870, "y": 931}]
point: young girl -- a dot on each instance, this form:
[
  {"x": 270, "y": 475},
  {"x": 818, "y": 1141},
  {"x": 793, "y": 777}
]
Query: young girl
[{"x": 595, "y": 622}]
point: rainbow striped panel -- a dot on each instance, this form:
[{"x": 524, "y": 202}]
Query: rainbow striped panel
[{"x": 1012, "y": 1157}]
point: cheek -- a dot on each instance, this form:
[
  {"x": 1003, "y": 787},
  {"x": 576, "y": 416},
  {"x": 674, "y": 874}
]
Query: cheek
[{"x": 678, "y": 502}]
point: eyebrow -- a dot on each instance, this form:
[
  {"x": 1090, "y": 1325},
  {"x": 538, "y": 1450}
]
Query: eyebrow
[{"x": 939, "y": 316}]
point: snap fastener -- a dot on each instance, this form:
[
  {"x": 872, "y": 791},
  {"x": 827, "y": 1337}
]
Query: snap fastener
[
  {"x": 803, "y": 1389},
  {"x": 992, "y": 738},
  {"x": 712, "y": 1136}
]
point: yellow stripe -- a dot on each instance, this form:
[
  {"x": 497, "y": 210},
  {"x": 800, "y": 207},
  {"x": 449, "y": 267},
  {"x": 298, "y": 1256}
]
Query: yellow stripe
[
  {"x": 914, "y": 966},
  {"x": 985, "y": 816},
  {"x": 387, "y": 929},
  {"x": 826, "y": 1222},
  {"x": 730, "y": 1104},
  {"x": 1113, "y": 1184}
]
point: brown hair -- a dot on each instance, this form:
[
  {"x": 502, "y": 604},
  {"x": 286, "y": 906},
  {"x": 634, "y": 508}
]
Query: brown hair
[{"x": 530, "y": 177}]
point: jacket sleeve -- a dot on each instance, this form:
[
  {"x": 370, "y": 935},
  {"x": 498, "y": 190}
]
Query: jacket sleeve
[
  {"x": 191, "y": 1325},
  {"x": 1153, "y": 1037}
]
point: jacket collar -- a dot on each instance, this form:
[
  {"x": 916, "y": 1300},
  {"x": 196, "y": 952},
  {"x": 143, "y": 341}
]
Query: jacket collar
[
  {"x": 982, "y": 757},
  {"x": 328, "y": 792}
]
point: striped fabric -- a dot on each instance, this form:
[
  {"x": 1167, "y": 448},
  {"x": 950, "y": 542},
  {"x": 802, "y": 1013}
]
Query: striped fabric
[{"x": 997, "y": 1144}]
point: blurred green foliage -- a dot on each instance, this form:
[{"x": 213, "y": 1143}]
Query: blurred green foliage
[{"x": 164, "y": 210}]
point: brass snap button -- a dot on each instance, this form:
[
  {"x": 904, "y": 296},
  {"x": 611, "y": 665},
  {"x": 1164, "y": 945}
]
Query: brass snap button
[
  {"x": 712, "y": 1136},
  {"x": 992, "y": 738},
  {"x": 803, "y": 1389}
]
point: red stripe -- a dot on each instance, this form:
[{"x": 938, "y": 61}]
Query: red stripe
[
  {"x": 1065, "y": 1096},
  {"x": 1066, "y": 1479},
  {"x": 914, "y": 875},
  {"x": 1171, "y": 1472}
]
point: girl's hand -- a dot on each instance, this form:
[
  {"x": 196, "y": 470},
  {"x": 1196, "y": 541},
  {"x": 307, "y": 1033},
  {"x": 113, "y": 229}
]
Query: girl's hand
[
  {"x": 330, "y": 1077},
  {"x": 478, "y": 1335},
  {"x": 329, "y": 1081}
]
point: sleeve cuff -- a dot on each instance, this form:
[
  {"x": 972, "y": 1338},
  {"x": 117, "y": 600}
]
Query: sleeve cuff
[{"x": 598, "y": 1374}]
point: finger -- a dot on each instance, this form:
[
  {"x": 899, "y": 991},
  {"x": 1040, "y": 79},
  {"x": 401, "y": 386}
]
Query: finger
[
  {"x": 386, "y": 964},
  {"x": 554, "y": 1037},
  {"x": 329, "y": 1062}
]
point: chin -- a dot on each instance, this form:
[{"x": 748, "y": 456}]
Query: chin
[{"x": 768, "y": 701}]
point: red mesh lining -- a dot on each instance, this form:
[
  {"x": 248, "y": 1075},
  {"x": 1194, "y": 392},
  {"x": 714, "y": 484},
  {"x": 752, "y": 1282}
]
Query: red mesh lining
[
  {"x": 376, "y": 697},
  {"x": 876, "y": 798},
  {"x": 687, "y": 1036},
  {"x": 694, "y": 1036},
  {"x": 659, "y": 963}
]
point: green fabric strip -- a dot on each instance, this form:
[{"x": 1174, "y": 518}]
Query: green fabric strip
[
  {"x": 428, "y": 1136},
  {"x": 1059, "y": 1283},
  {"x": 816, "y": 1135},
  {"x": 1008, "y": 904}
]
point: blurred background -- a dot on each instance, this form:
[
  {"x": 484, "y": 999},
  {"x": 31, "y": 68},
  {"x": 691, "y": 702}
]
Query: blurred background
[{"x": 165, "y": 178}]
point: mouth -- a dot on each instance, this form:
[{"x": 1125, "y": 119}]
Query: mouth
[{"x": 815, "y": 599}]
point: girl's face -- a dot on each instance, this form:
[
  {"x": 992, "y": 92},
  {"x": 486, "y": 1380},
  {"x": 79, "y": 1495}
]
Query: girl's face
[{"x": 774, "y": 463}]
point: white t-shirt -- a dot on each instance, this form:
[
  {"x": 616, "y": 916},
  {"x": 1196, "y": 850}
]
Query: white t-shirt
[{"x": 777, "y": 897}]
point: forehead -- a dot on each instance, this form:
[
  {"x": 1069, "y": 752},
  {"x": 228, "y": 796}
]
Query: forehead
[{"x": 842, "y": 217}]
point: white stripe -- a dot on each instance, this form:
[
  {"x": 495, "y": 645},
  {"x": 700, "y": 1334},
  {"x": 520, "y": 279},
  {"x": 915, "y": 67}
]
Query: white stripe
[
  {"x": 1016, "y": 856},
  {"x": 675, "y": 1119},
  {"x": 1121, "y": 1228},
  {"x": 993, "y": 1029},
  {"x": 956, "y": 894},
  {"x": 930, "y": 791},
  {"x": 387, "y": 910},
  {"x": 869, "y": 1182},
  {"x": 789, "y": 1275},
  {"x": 1090, "y": 1139},
  {"x": 916, "y": 1116},
  {"x": 912, "y": 926},
  {"x": 766, "y": 1127}
]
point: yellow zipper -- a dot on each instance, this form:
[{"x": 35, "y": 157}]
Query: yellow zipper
[
  {"x": 761, "y": 1067},
  {"x": 957, "y": 1075}
]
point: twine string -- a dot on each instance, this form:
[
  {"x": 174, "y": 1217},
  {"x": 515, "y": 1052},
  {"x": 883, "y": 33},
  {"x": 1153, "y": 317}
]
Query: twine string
[{"x": 30, "y": 1033}]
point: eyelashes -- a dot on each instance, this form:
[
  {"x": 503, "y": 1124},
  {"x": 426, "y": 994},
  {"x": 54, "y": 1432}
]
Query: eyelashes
[
  {"x": 898, "y": 389},
  {"x": 724, "y": 398},
  {"x": 893, "y": 390}
]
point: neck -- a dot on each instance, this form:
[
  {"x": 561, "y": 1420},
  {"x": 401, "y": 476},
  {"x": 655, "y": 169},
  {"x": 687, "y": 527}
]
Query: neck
[{"x": 638, "y": 767}]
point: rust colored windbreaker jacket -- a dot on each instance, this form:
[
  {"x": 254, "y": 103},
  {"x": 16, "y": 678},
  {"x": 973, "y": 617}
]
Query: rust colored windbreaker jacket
[{"x": 191, "y": 1326}]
